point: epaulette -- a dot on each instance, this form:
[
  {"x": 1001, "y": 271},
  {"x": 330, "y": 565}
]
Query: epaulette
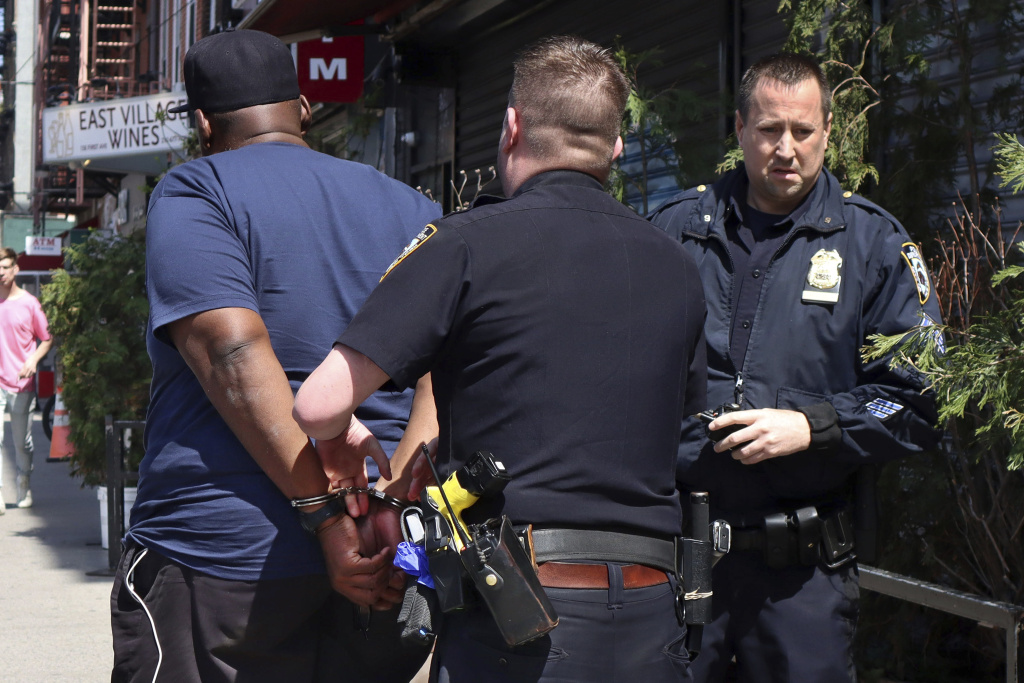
[
  {"x": 485, "y": 199},
  {"x": 685, "y": 195},
  {"x": 869, "y": 206},
  {"x": 482, "y": 200},
  {"x": 483, "y": 207}
]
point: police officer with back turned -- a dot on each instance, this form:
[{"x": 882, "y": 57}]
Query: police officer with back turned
[
  {"x": 564, "y": 335},
  {"x": 797, "y": 274}
]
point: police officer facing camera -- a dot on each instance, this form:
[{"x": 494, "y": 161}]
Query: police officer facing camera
[
  {"x": 797, "y": 274},
  {"x": 564, "y": 335}
]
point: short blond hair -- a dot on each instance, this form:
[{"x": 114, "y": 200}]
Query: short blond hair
[{"x": 570, "y": 95}]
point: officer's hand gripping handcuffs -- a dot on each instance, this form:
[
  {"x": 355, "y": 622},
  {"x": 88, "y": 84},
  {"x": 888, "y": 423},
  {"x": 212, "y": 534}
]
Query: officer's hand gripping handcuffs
[{"x": 333, "y": 505}]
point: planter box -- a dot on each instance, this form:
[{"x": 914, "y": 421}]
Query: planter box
[{"x": 129, "y": 500}]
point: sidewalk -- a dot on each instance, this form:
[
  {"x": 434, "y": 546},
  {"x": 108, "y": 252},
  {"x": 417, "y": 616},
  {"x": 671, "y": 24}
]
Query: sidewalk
[{"x": 56, "y": 618}]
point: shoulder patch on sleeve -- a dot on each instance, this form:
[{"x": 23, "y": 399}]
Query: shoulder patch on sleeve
[
  {"x": 883, "y": 409},
  {"x": 912, "y": 255},
  {"x": 417, "y": 241}
]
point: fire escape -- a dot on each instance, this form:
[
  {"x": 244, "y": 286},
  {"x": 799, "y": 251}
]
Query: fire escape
[
  {"x": 58, "y": 188},
  {"x": 89, "y": 53},
  {"x": 114, "y": 41}
]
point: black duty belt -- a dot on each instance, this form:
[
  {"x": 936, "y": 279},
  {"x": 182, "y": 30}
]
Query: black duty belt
[
  {"x": 569, "y": 545},
  {"x": 747, "y": 539},
  {"x": 805, "y": 537}
]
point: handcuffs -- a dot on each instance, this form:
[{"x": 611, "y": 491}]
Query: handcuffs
[{"x": 333, "y": 506}]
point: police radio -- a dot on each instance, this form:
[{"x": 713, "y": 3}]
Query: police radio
[
  {"x": 708, "y": 416},
  {"x": 489, "y": 554}
]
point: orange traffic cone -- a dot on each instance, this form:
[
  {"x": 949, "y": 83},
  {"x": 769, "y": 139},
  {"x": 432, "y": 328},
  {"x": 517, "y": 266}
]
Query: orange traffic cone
[{"x": 60, "y": 447}]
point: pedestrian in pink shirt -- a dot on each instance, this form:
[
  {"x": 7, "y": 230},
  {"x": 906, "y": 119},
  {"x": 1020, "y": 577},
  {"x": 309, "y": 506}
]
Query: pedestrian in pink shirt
[{"x": 22, "y": 324}]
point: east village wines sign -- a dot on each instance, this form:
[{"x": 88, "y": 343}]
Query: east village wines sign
[{"x": 114, "y": 128}]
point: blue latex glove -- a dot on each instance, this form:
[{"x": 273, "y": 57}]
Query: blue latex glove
[{"x": 412, "y": 559}]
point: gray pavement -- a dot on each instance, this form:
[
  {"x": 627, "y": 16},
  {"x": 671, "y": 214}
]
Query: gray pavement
[{"x": 55, "y": 616}]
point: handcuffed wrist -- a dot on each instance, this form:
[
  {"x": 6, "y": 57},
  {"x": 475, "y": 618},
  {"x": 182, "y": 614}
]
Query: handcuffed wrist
[
  {"x": 312, "y": 520},
  {"x": 333, "y": 521}
]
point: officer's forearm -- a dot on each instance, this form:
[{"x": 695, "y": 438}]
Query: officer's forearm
[
  {"x": 421, "y": 429},
  {"x": 326, "y": 400}
]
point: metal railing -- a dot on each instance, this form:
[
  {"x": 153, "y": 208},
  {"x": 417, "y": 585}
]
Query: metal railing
[
  {"x": 118, "y": 475},
  {"x": 1002, "y": 615}
]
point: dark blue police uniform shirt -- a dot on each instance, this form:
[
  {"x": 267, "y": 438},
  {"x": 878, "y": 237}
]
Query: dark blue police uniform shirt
[
  {"x": 565, "y": 336},
  {"x": 300, "y": 238},
  {"x": 803, "y": 351},
  {"x": 754, "y": 239}
]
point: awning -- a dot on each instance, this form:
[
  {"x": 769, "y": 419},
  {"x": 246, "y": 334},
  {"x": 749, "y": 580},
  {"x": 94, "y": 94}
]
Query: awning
[
  {"x": 296, "y": 20},
  {"x": 28, "y": 262}
]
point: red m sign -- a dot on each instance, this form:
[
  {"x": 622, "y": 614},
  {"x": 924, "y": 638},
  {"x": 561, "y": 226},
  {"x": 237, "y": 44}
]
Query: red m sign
[{"x": 331, "y": 69}]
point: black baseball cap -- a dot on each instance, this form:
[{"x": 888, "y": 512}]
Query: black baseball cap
[{"x": 237, "y": 69}]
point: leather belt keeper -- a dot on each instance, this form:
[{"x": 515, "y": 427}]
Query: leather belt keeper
[{"x": 594, "y": 576}]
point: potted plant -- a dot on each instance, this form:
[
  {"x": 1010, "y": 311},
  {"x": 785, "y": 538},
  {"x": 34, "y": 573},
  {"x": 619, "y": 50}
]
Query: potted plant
[{"x": 97, "y": 310}]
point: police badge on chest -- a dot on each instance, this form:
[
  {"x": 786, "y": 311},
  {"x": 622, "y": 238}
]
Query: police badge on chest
[{"x": 823, "y": 278}]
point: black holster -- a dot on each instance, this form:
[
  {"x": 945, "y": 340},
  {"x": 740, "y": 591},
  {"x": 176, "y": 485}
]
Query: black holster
[
  {"x": 506, "y": 578},
  {"x": 809, "y": 537},
  {"x": 494, "y": 567}
]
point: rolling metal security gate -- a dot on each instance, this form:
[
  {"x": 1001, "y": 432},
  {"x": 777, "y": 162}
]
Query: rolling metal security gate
[{"x": 694, "y": 39}]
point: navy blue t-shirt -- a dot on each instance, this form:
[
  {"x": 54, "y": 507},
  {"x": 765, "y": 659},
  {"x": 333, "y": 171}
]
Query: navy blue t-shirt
[{"x": 302, "y": 239}]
